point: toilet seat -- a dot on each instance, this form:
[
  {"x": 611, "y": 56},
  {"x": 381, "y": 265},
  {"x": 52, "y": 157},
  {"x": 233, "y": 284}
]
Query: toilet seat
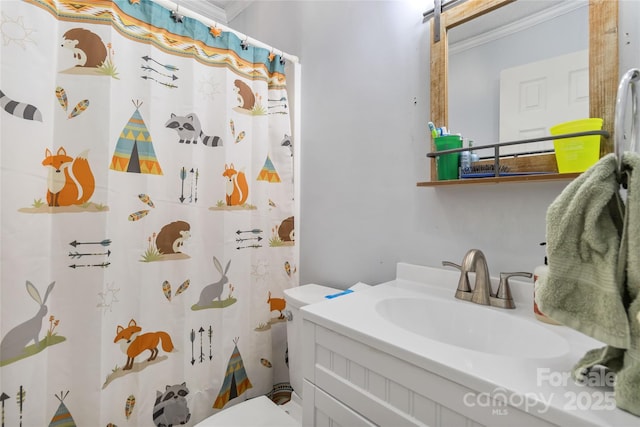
[{"x": 257, "y": 412}]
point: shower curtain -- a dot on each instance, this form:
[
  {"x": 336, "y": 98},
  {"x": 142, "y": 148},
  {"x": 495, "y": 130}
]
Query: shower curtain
[{"x": 147, "y": 216}]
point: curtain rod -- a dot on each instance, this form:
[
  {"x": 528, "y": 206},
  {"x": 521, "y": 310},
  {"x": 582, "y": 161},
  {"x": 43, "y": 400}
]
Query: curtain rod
[{"x": 253, "y": 42}]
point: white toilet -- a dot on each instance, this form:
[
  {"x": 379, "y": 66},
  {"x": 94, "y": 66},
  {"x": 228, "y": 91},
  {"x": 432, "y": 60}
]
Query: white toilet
[{"x": 261, "y": 411}]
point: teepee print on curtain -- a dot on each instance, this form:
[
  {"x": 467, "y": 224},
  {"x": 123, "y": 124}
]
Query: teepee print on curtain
[
  {"x": 134, "y": 151},
  {"x": 235, "y": 382},
  {"x": 268, "y": 172},
  {"x": 62, "y": 417},
  {"x": 156, "y": 193}
]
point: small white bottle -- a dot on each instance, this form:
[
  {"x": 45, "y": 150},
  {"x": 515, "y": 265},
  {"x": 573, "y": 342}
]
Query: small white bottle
[
  {"x": 474, "y": 156},
  {"x": 465, "y": 162}
]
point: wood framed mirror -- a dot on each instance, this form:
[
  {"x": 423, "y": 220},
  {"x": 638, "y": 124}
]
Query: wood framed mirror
[{"x": 603, "y": 61}]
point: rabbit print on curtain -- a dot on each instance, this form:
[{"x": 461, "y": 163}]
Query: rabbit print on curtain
[{"x": 147, "y": 216}]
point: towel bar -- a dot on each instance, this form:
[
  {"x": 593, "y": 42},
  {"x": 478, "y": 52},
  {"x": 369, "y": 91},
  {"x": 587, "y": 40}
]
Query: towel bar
[{"x": 628, "y": 80}]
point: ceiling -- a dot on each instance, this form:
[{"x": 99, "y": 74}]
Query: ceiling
[{"x": 222, "y": 11}]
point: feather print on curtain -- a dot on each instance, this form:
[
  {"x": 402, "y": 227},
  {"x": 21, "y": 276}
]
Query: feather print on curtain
[{"x": 147, "y": 216}]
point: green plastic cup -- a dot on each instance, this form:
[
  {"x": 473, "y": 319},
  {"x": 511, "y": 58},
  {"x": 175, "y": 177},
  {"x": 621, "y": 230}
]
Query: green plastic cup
[{"x": 447, "y": 164}]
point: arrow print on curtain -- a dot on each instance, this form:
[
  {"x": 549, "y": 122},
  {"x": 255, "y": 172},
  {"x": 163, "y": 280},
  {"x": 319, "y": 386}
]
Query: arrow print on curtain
[
  {"x": 78, "y": 254},
  {"x": 192, "y": 338},
  {"x": 171, "y": 68},
  {"x": 193, "y": 175}
]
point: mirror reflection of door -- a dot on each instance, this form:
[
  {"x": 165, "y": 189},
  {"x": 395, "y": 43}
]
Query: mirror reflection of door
[
  {"x": 481, "y": 49},
  {"x": 538, "y": 95}
]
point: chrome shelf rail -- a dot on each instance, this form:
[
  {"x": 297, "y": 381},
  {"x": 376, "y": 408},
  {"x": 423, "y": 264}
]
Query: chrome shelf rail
[{"x": 496, "y": 147}]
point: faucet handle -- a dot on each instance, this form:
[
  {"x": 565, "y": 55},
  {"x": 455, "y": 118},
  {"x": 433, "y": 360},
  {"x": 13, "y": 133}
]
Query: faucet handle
[
  {"x": 451, "y": 264},
  {"x": 463, "y": 283},
  {"x": 504, "y": 291}
]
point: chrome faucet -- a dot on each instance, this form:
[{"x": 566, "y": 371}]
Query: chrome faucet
[{"x": 475, "y": 262}]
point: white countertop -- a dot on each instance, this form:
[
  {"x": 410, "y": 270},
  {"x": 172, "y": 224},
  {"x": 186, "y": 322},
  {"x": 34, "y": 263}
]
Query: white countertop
[{"x": 535, "y": 385}]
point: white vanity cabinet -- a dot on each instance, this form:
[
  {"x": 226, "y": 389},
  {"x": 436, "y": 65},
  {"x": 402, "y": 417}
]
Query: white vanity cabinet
[
  {"x": 440, "y": 361},
  {"x": 348, "y": 383}
]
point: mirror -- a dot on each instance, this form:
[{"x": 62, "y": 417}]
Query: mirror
[
  {"x": 603, "y": 60},
  {"x": 519, "y": 70}
]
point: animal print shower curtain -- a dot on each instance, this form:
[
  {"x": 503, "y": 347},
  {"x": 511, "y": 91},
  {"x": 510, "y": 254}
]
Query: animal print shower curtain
[{"x": 147, "y": 216}]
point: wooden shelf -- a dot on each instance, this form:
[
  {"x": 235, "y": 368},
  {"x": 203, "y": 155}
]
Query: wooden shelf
[{"x": 501, "y": 179}]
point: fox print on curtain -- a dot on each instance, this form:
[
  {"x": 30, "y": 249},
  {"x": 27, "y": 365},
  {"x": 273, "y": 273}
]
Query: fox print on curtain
[{"x": 147, "y": 216}]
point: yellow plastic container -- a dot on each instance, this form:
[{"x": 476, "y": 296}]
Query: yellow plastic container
[{"x": 580, "y": 153}]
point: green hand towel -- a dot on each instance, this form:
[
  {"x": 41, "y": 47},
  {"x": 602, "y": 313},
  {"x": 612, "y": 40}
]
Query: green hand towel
[
  {"x": 627, "y": 385},
  {"x": 584, "y": 287},
  {"x": 610, "y": 357}
]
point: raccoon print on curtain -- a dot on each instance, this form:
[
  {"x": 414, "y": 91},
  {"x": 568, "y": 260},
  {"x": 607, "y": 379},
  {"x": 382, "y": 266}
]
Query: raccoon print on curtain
[{"x": 147, "y": 216}]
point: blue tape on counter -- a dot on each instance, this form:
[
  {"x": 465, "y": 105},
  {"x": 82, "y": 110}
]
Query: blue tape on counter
[{"x": 339, "y": 294}]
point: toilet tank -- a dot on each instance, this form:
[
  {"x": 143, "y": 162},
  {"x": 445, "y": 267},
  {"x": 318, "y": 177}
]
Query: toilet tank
[{"x": 296, "y": 298}]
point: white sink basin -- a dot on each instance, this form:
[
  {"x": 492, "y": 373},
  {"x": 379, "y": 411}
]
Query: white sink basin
[{"x": 473, "y": 327}]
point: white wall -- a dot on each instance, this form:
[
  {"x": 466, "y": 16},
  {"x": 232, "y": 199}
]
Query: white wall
[{"x": 365, "y": 108}]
